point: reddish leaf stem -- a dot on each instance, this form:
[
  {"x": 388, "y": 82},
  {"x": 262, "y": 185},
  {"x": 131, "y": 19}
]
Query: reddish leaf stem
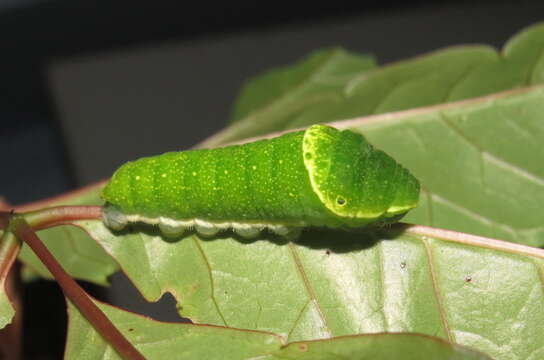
[
  {"x": 57, "y": 215},
  {"x": 61, "y": 215},
  {"x": 74, "y": 292}
]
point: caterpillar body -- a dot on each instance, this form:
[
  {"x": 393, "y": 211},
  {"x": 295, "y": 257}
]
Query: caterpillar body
[{"x": 320, "y": 177}]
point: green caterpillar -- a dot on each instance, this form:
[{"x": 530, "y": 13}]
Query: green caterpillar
[{"x": 320, "y": 177}]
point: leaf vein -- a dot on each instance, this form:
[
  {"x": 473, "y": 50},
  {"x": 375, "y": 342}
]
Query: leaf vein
[
  {"x": 436, "y": 289},
  {"x": 437, "y": 198},
  {"x": 212, "y": 287},
  {"x": 489, "y": 156},
  {"x": 307, "y": 285},
  {"x": 532, "y": 68},
  {"x": 381, "y": 262},
  {"x": 297, "y": 320}
]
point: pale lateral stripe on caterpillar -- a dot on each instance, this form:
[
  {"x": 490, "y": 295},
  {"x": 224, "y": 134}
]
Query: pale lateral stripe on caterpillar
[{"x": 171, "y": 227}]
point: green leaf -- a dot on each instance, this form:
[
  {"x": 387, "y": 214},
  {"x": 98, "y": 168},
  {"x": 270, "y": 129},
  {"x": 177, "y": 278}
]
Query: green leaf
[
  {"x": 477, "y": 292},
  {"x": 6, "y": 309},
  {"x": 379, "y": 346},
  {"x": 159, "y": 340},
  {"x": 322, "y": 74},
  {"x": 78, "y": 254},
  {"x": 8, "y": 249},
  {"x": 351, "y": 90}
]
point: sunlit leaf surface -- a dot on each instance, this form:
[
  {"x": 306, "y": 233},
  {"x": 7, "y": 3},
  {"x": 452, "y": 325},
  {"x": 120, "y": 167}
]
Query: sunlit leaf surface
[{"x": 484, "y": 294}]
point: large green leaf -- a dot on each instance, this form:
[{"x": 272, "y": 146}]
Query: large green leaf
[
  {"x": 350, "y": 90},
  {"x": 159, "y": 340},
  {"x": 478, "y": 292}
]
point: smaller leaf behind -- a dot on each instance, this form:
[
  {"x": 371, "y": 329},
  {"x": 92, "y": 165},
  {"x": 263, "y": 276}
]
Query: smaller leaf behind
[
  {"x": 355, "y": 89},
  {"x": 321, "y": 70}
]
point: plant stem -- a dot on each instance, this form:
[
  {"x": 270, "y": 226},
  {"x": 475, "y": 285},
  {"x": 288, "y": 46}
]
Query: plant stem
[
  {"x": 74, "y": 292},
  {"x": 57, "y": 215},
  {"x": 9, "y": 249}
]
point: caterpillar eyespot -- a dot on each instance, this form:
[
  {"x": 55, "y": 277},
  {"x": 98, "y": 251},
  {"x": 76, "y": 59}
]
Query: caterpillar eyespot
[{"x": 320, "y": 177}]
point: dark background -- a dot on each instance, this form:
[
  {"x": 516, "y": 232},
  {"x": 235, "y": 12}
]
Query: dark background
[{"x": 87, "y": 85}]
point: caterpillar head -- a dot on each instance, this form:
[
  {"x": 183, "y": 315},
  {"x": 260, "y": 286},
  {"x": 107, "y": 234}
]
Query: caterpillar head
[{"x": 356, "y": 182}]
